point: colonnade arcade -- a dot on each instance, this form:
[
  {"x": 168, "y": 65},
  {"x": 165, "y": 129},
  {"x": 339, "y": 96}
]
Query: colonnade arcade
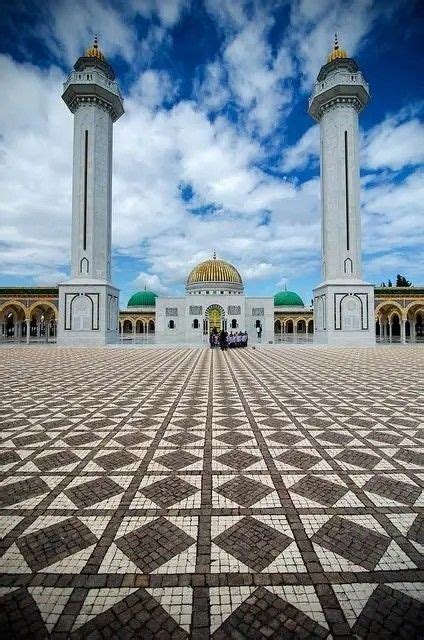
[
  {"x": 136, "y": 326},
  {"x": 293, "y": 327},
  {"x": 395, "y": 323},
  {"x": 24, "y": 324}
]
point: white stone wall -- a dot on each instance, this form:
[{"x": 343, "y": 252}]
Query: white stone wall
[
  {"x": 94, "y": 262},
  {"x": 339, "y": 261}
]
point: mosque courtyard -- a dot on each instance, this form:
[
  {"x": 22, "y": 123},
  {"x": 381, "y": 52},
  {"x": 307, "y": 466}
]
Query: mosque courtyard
[{"x": 187, "y": 493}]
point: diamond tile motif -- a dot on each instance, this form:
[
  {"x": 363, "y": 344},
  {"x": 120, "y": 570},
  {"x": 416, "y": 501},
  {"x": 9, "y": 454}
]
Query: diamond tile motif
[
  {"x": 415, "y": 458},
  {"x": 265, "y": 615},
  {"x": 233, "y": 438},
  {"x": 299, "y": 459},
  {"x": 244, "y": 491},
  {"x": 252, "y": 542},
  {"x": 352, "y": 541},
  {"x": 8, "y": 457},
  {"x": 390, "y": 614},
  {"x": 319, "y": 490},
  {"x": 20, "y": 617},
  {"x": 416, "y": 532},
  {"x": 81, "y": 439},
  {"x": 177, "y": 460},
  {"x": 89, "y": 493},
  {"x": 335, "y": 437},
  {"x": 139, "y": 615},
  {"x": 115, "y": 460},
  {"x": 358, "y": 458},
  {"x": 287, "y": 438},
  {"x": 56, "y": 460},
  {"x": 42, "y": 548},
  {"x": 168, "y": 491},
  {"x": 387, "y": 487},
  {"x": 154, "y": 543},
  {"x": 132, "y": 439},
  {"x": 33, "y": 438},
  {"x": 237, "y": 459},
  {"x": 15, "y": 492},
  {"x": 183, "y": 438},
  {"x": 183, "y": 492}
]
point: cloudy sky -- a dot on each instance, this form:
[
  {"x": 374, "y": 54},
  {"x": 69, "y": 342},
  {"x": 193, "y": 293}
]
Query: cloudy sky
[{"x": 215, "y": 150}]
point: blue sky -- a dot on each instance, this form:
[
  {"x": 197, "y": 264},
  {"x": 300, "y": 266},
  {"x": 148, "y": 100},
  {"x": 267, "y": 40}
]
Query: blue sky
[{"x": 216, "y": 150}]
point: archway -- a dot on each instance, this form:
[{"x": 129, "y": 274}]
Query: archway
[
  {"x": 289, "y": 326},
  {"x": 301, "y": 326},
  {"x": 127, "y": 326},
  {"x": 215, "y": 316},
  {"x": 310, "y": 326},
  {"x": 151, "y": 326},
  {"x": 12, "y": 317}
]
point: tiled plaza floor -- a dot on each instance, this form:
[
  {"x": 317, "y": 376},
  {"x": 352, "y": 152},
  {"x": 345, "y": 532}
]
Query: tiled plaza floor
[{"x": 175, "y": 493}]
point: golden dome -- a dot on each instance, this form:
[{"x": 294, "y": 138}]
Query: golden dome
[
  {"x": 94, "y": 51},
  {"x": 214, "y": 271},
  {"x": 336, "y": 52}
]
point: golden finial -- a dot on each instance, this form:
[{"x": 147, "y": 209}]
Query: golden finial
[
  {"x": 337, "y": 52},
  {"x": 94, "y": 50}
]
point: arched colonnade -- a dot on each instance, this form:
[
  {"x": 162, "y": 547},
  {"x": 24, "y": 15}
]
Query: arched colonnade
[
  {"x": 20, "y": 323},
  {"x": 292, "y": 328},
  {"x": 136, "y": 327},
  {"x": 394, "y": 323}
]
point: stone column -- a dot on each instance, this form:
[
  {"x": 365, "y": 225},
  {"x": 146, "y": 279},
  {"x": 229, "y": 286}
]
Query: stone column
[
  {"x": 412, "y": 330},
  {"x": 28, "y": 330},
  {"x": 390, "y": 331},
  {"x": 403, "y": 331}
]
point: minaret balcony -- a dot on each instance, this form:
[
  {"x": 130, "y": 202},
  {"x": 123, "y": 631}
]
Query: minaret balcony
[{"x": 93, "y": 84}]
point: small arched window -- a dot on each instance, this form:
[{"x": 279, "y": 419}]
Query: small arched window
[
  {"x": 195, "y": 324},
  {"x": 171, "y": 324},
  {"x": 233, "y": 323}
]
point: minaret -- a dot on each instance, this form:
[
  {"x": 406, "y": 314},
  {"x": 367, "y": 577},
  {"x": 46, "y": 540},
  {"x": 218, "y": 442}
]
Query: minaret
[
  {"x": 343, "y": 303},
  {"x": 88, "y": 303}
]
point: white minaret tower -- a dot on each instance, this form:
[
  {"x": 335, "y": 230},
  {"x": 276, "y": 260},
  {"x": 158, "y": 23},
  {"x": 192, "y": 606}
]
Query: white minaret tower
[
  {"x": 88, "y": 303},
  {"x": 343, "y": 303}
]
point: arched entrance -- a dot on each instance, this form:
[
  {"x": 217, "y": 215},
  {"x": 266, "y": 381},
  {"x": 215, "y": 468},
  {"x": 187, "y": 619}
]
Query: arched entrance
[{"x": 215, "y": 317}]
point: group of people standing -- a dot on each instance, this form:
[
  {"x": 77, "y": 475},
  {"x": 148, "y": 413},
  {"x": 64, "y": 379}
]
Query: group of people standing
[{"x": 226, "y": 340}]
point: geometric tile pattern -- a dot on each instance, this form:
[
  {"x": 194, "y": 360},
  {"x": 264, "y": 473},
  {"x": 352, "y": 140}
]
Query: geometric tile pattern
[{"x": 181, "y": 492}]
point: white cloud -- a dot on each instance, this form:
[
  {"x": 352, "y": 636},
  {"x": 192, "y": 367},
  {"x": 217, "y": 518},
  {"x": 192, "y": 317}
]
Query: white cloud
[
  {"x": 70, "y": 26},
  {"x": 313, "y": 25},
  {"x": 168, "y": 12},
  {"x": 307, "y": 147},
  {"x": 149, "y": 281},
  {"x": 395, "y": 143}
]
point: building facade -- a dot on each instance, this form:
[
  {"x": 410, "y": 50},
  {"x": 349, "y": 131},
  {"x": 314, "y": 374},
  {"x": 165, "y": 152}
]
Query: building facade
[{"x": 30, "y": 314}]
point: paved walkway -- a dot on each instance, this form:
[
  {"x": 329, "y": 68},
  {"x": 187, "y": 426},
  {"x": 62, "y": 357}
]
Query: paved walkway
[{"x": 175, "y": 493}]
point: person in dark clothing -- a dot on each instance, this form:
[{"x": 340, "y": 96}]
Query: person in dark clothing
[{"x": 223, "y": 340}]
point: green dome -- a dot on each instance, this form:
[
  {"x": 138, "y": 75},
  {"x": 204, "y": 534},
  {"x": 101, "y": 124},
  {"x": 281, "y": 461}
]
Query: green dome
[
  {"x": 142, "y": 299},
  {"x": 288, "y": 299}
]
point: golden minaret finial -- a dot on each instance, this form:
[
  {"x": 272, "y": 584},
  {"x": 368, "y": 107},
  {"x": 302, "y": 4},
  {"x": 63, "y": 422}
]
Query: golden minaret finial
[
  {"x": 337, "y": 52},
  {"x": 94, "y": 50}
]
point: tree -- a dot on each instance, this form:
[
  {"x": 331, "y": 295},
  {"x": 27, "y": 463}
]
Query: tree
[
  {"x": 401, "y": 281},
  {"x": 389, "y": 283}
]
